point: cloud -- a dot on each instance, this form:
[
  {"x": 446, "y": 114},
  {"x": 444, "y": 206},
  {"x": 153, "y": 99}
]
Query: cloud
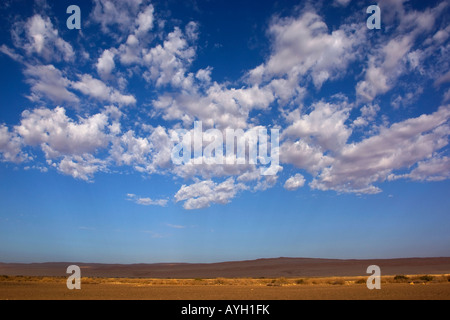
[
  {"x": 341, "y": 3},
  {"x": 105, "y": 63},
  {"x": 10, "y": 146},
  {"x": 433, "y": 169},
  {"x": 204, "y": 193},
  {"x": 359, "y": 165},
  {"x": 146, "y": 201},
  {"x": 294, "y": 182},
  {"x": 119, "y": 14},
  {"x": 81, "y": 167},
  {"x": 341, "y": 137},
  {"x": 47, "y": 82},
  {"x": 144, "y": 21},
  {"x": 11, "y": 53},
  {"x": 368, "y": 113},
  {"x": 387, "y": 62},
  {"x": 176, "y": 226},
  {"x": 167, "y": 63},
  {"x": 59, "y": 135},
  {"x": 219, "y": 107},
  {"x": 324, "y": 125},
  {"x": 42, "y": 39},
  {"x": 99, "y": 90},
  {"x": 384, "y": 68},
  {"x": 303, "y": 45},
  {"x": 304, "y": 156}
]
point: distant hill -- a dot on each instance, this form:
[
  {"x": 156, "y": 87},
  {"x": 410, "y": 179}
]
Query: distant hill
[{"x": 276, "y": 267}]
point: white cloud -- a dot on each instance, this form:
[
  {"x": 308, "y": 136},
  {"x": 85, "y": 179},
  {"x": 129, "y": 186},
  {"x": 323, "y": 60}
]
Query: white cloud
[
  {"x": 11, "y": 53},
  {"x": 387, "y": 63},
  {"x": 81, "y": 167},
  {"x": 324, "y": 125},
  {"x": 144, "y": 21},
  {"x": 204, "y": 193},
  {"x": 447, "y": 96},
  {"x": 10, "y": 146},
  {"x": 116, "y": 13},
  {"x": 129, "y": 149},
  {"x": 105, "y": 63},
  {"x": 359, "y": 165},
  {"x": 294, "y": 182},
  {"x": 97, "y": 89},
  {"x": 48, "y": 82},
  {"x": 42, "y": 39},
  {"x": 167, "y": 63},
  {"x": 59, "y": 135},
  {"x": 304, "y": 53},
  {"x": 368, "y": 113},
  {"x": 219, "y": 106},
  {"x": 304, "y": 156},
  {"x": 434, "y": 169},
  {"x": 304, "y": 45},
  {"x": 146, "y": 201},
  {"x": 384, "y": 68},
  {"x": 342, "y": 3}
]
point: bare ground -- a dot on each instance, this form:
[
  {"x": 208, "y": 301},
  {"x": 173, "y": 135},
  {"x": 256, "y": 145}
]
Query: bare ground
[{"x": 142, "y": 290}]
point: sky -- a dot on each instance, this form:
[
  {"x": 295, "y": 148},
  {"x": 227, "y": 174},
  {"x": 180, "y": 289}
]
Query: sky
[{"x": 89, "y": 119}]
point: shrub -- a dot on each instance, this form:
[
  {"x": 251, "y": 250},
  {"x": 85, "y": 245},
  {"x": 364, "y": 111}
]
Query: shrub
[
  {"x": 300, "y": 281},
  {"x": 361, "y": 281},
  {"x": 278, "y": 282},
  {"x": 426, "y": 278},
  {"x": 338, "y": 282},
  {"x": 400, "y": 278}
]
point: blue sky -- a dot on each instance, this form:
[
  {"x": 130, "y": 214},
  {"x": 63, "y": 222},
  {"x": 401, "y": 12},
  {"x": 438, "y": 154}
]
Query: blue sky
[{"x": 88, "y": 120}]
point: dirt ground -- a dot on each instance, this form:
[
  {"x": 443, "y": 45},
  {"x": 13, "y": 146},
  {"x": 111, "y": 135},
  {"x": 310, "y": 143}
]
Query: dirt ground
[{"x": 107, "y": 291}]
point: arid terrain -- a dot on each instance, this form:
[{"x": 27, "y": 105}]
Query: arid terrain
[
  {"x": 263, "y": 279},
  {"x": 414, "y": 288}
]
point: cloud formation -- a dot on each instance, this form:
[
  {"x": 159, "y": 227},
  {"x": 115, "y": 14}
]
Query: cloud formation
[{"x": 332, "y": 89}]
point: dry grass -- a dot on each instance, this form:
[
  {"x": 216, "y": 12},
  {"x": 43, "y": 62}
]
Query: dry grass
[{"x": 282, "y": 281}]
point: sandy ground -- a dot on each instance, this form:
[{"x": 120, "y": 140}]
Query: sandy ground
[{"x": 107, "y": 291}]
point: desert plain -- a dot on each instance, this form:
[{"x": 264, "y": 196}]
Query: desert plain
[{"x": 262, "y": 279}]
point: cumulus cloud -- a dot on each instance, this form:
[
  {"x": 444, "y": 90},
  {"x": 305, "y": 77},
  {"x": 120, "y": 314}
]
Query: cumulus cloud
[
  {"x": 59, "y": 135},
  {"x": 324, "y": 125},
  {"x": 47, "y": 82},
  {"x": 359, "y": 165},
  {"x": 10, "y": 146},
  {"x": 336, "y": 137},
  {"x": 167, "y": 63},
  {"x": 294, "y": 182},
  {"x": 42, "y": 39},
  {"x": 105, "y": 63},
  {"x": 97, "y": 89},
  {"x": 120, "y": 14},
  {"x": 387, "y": 63},
  {"x": 433, "y": 169},
  {"x": 80, "y": 167},
  {"x": 202, "y": 194},
  {"x": 304, "y": 45}
]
